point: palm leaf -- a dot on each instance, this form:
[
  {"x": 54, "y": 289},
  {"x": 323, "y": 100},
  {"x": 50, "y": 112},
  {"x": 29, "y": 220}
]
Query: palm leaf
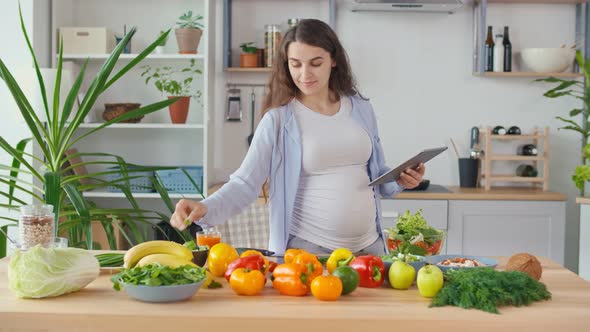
[
  {"x": 72, "y": 97},
  {"x": 18, "y": 156},
  {"x": 54, "y": 122},
  {"x": 20, "y": 147},
  {"x": 37, "y": 70},
  {"x": 137, "y": 59},
  {"x": 81, "y": 207}
]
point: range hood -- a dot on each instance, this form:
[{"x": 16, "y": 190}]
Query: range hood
[{"x": 432, "y": 6}]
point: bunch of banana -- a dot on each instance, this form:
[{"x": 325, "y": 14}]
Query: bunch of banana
[{"x": 164, "y": 252}]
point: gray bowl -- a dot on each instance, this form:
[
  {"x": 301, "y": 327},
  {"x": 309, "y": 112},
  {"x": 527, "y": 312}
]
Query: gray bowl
[{"x": 157, "y": 294}]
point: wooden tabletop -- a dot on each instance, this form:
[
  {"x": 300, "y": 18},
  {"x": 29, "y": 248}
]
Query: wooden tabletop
[
  {"x": 99, "y": 308},
  {"x": 583, "y": 200},
  {"x": 495, "y": 193}
]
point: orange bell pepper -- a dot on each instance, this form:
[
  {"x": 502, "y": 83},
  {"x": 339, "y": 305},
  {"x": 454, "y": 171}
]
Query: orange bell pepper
[
  {"x": 290, "y": 279},
  {"x": 314, "y": 267},
  {"x": 291, "y": 253},
  {"x": 247, "y": 282},
  {"x": 326, "y": 288}
]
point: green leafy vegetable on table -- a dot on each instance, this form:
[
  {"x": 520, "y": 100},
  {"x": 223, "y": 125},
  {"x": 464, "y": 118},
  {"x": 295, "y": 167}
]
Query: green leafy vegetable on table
[
  {"x": 110, "y": 259},
  {"x": 486, "y": 289},
  {"x": 158, "y": 275}
]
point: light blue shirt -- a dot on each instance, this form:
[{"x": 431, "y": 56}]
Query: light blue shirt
[{"x": 275, "y": 153}]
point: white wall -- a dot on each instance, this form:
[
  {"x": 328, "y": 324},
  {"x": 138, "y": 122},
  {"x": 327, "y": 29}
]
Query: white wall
[
  {"x": 15, "y": 56},
  {"x": 416, "y": 69}
]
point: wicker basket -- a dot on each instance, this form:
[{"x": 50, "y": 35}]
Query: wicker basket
[{"x": 115, "y": 110}]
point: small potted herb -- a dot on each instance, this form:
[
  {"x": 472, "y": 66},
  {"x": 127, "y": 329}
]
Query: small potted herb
[
  {"x": 160, "y": 48},
  {"x": 188, "y": 33},
  {"x": 175, "y": 82},
  {"x": 248, "y": 57}
]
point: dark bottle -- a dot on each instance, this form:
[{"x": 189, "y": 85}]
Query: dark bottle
[
  {"x": 507, "y": 51},
  {"x": 527, "y": 150},
  {"x": 514, "y": 130},
  {"x": 489, "y": 51},
  {"x": 526, "y": 171},
  {"x": 499, "y": 130}
]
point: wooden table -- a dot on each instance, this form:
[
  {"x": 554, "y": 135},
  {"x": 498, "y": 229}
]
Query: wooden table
[{"x": 99, "y": 308}]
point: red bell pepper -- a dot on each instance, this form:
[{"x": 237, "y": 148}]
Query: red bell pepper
[
  {"x": 370, "y": 269},
  {"x": 254, "y": 262}
]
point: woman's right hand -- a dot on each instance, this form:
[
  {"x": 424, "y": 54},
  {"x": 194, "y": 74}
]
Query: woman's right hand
[{"x": 187, "y": 212}]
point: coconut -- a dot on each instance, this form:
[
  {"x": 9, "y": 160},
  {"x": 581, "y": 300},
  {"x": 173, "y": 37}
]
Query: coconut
[{"x": 526, "y": 263}]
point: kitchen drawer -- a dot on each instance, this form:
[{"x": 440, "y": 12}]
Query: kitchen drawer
[{"x": 434, "y": 211}]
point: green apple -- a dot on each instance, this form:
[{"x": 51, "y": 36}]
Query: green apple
[
  {"x": 430, "y": 280},
  {"x": 401, "y": 275}
]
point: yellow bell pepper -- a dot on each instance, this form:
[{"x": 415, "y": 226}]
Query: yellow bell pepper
[
  {"x": 339, "y": 257},
  {"x": 220, "y": 256}
]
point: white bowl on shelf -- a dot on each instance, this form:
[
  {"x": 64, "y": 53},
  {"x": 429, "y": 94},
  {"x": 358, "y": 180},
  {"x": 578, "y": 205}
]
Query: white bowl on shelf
[{"x": 548, "y": 60}]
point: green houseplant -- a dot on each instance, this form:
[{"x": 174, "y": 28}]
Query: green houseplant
[
  {"x": 188, "y": 33},
  {"x": 60, "y": 188},
  {"x": 175, "y": 83},
  {"x": 578, "y": 121},
  {"x": 248, "y": 57}
]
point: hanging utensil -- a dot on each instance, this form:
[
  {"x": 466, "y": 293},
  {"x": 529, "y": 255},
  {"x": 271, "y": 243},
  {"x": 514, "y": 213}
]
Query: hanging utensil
[{"x": 252, "y": 116}]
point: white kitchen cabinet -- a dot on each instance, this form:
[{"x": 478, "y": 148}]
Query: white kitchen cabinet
[{"x": 503, "y": 228}]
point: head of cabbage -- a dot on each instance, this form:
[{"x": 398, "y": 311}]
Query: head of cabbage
[{"x": 48, "y": 272}]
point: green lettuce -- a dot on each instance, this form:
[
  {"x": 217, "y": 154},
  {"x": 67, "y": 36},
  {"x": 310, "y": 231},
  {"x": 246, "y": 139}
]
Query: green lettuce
[{"x": 41, "y": 272}]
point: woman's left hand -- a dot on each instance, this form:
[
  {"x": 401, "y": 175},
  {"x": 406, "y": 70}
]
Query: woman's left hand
[{"x": 410, "y": 178}]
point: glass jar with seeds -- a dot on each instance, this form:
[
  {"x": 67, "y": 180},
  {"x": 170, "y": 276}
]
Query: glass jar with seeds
[{"x": 36, "y": 226}]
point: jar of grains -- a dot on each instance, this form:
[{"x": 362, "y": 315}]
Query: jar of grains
[
  {"x": 36, "y": 226},
  {"x": 272, "y": 40}
]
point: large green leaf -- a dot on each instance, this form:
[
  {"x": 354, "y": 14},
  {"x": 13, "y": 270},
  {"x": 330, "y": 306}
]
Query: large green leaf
[
  {"x": 18, "y": 155},
  {"x": 20, "y": 147},
  {"x": 71, "y": 99},
  {"x": 37, "y": 70},
  {"x": 53, "y": 194},
  {"x": 82, "y": 209},
  {"x": 137, "y": 59}
]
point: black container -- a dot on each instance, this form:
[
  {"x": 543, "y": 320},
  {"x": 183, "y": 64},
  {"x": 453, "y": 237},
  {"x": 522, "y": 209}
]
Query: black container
[
  {"x": 468, "y": 169},
  {"x": 514, "y": 130},
  {"x": 499, "y": 130},
  {"x": 169, "y": 233}
]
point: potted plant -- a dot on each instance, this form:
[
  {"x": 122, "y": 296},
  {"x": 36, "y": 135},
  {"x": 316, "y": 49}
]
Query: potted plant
[
  {"x": 579, "y": 90},
  {"x": 188, "y": 33},
  {"x": 248, "y": 57},
  {"x": 57, "y": 134},
  {"x": 160, "y": 48},
  {"x": 176, "y": 83}
]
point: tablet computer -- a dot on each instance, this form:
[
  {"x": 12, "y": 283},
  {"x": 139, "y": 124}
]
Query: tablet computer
[{"x": 394, "y": 173}]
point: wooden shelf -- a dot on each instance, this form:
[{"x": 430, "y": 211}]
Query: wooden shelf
[
  {"x": 510, "y": 178},
  {"x": 108, "y": 194},
  {"x": 144, "y": 126},
  {"x": 486, "y": 173},
  {"x": 171, "y": 56},
  {"x": 516, "y": 157},
  {"x": 539, "y": 1},
  {"x": 528, "y": 74},
  {"x": 515, "y": 137},
  {"x": 248, "y": 70}
]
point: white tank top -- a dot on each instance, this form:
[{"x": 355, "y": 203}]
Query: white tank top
[{"x": 334, "y": 206}]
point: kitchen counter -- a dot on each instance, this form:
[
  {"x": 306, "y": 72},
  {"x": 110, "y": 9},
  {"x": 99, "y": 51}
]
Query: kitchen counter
[
  {"x": 583, "y": 200},
  {"x": 99, "y": 308},
  {"x": 495, "y": 194}
]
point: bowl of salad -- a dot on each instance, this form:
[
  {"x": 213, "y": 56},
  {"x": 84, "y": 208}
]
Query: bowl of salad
[
  {"x": 160, "y": 283},
  {"x": 412, "y": 235}
]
